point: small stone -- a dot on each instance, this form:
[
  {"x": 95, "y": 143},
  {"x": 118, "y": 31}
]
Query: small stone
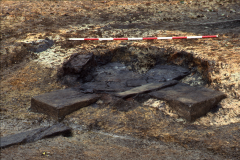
[
  {"x": 60, "y": 103},
  {"x": 41, "y": 45},
  {"x": 180, "y": 120},
  {"x": 158, "y": 104},
  {"x": 99, "y": 102}
]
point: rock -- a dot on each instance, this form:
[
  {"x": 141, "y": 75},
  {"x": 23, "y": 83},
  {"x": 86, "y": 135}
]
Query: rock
[
  {"x": 161, "y": 73},
  {"x": 189, "y": 102},
  {"x": 34, "y": 135},
  {"x": 40, "y": 45},
  {"x": 60, "y": 103},
  {"x": 145, "y": 88},
  {"x": 80, "y": 64}
]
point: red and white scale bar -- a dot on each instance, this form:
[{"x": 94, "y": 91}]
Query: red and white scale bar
[{"x": 144, "y": 38}]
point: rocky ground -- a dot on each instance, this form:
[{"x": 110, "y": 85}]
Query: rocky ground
[{"x": 104, "y": 132}]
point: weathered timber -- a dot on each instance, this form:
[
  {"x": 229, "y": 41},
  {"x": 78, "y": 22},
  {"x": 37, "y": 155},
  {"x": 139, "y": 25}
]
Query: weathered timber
[
  {"x": 189, "y": 102},
  {"x": 145, "y": 88},
  {"x": 60, "y": 103},
  {"x": 34, "y": 135}
]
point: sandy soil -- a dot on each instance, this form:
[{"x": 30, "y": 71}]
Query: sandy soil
[{"x": 25, "y": 74}]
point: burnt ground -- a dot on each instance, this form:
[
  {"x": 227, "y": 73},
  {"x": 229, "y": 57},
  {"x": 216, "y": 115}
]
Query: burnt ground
[{"x": 103, "y": 131}]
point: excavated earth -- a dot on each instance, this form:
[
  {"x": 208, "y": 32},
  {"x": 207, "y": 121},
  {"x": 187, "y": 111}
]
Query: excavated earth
[{"x": 35, "y": 52}]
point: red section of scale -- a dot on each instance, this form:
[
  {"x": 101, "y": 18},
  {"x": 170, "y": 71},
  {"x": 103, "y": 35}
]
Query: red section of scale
[
  {"x": 210, "y": 36},
  {"x": 179, "y": 37},
  {"x": 120, "y": 38}
]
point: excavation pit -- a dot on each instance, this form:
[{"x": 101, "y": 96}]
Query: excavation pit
[{"x": 129, "y": 72}]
